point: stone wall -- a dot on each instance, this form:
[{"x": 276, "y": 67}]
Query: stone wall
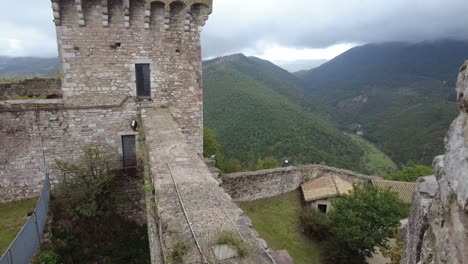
[
  {"x": 65, "y": 129},
  {"x": 100, "y": 41},
  {"x": 249, "y": 186},
  {"x": 35, "y": 87}
]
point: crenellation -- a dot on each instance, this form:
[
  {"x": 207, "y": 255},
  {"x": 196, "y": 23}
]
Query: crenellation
[
  {"x": 79, "y": 11},
  {"x": 126, "y": 8}
]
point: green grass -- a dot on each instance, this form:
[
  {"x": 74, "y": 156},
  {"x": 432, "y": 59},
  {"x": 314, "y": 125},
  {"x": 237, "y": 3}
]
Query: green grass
[
  {"x": 12, "y": 218},
  {"x": 277, "y": 221},
  {"x": 374, "y": 161}
]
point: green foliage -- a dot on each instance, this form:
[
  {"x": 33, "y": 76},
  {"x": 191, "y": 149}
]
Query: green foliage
[
  {"x": 177, "y": 253},
  {"x": 267, "y": 163},
  {"x": 410, "y": 100},
  {"x": 229, "y": 166},
  {"x": 82, "y": 206},
  {"x": 229, "y": 238},
  {"x": 409, "y": 173},
  {"x": 277, "y": 220},
  {"x": 315, "y": 224},
  {"x": 47, "y": 257},
  {"x": 258, "y": 110},
  {"x": 85, "y": 186},
  {"x": 395, "y": 251},
  {"x": 374, "y": 161},
  {"x": 361, "y": 221},
  {"x": 210, "y": 145}
]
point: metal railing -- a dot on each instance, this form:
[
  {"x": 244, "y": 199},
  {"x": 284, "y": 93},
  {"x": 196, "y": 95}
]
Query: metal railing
[{"x": 28, "y": 240}]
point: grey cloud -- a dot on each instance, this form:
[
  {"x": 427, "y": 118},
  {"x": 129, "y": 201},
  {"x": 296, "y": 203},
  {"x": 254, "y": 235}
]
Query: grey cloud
[{"x": 238, "y": 25}]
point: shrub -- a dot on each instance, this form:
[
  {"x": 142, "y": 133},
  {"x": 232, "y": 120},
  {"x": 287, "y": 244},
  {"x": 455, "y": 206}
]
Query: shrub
[
  {"x": 48, "y": 257},
  {"x": 229, "y": 238},
  {"x": 315, "y": 224},
  {"x": 178, "y": 252},
  {"x": 363, "y": 220}
]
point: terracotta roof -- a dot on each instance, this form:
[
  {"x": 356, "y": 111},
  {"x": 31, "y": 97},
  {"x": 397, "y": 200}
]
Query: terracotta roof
[
  {"x": 325, "y": 187},
  {"x": 404, "y": 189}
]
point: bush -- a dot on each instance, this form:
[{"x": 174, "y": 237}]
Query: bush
[
  {"x": 363, "y": 220},
  {"x": 315, "y": 224},
  {"x": 178, "y": 252},
  {"x": 229, "y": 238},
  {"x": 409, "y": 173},
  {"x": 267, "y": 163},
  {"x": 48, "y": 257},
  {"x": 210, "y": 145}
]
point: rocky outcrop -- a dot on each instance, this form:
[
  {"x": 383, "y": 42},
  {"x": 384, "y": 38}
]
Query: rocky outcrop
[{"x": 438, "y": 234}]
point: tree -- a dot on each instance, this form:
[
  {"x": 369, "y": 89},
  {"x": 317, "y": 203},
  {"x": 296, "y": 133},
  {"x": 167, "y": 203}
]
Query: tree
[
  {"x": 230, "y": 165},
  {"x": 210, "y": 144},
  {"x": 85, "y": 185},
  {"x": 361, "y": 221},
  {"x": 394, "y": 252},
  {"x": 409, "y": 173},
  {"x": 267, "y": 163}
]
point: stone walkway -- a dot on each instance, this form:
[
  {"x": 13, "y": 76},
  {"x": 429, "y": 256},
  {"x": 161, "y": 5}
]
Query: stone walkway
[{"x": 208, "y": 208}]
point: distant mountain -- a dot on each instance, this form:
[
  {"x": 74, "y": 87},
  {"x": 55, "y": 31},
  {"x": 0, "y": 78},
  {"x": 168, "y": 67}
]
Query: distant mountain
[
  {"x": 27, "y": 66},
  {"x": 257, "y": 110},
  {"x": 294, "y": 66},
  {"x": 400, "y": 95}
]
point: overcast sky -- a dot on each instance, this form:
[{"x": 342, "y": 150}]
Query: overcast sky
[{"x": 280, "y": 31}]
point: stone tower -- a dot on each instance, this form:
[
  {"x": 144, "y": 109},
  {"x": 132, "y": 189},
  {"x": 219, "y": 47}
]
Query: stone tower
[{"x": 141, "y": 48}]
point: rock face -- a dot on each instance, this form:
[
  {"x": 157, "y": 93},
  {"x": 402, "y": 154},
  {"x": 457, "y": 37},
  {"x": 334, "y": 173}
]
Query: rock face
[{"x": 443, "y": 238}]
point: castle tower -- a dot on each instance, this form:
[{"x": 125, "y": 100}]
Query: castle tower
[{"x": 141, "y": 48}]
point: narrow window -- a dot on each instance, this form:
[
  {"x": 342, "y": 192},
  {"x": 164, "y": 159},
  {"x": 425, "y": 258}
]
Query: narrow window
[
  {"x": 129, "y": 152},
  {"x": 322, "y": 208},
  {"x": 143, "y": 81}
]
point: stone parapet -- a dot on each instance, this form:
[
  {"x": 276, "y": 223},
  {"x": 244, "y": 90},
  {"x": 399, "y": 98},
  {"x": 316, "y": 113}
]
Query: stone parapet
[
  {"x": 35, "y": 87},
  {"x": 249, "y": 186}
]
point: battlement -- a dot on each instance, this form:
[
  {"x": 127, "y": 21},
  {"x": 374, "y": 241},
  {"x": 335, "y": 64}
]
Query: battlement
[{"x": 187, "y": 14}]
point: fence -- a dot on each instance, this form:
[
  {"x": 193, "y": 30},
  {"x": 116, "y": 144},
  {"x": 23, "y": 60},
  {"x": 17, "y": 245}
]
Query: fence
[{"x": 28, "y": 240}]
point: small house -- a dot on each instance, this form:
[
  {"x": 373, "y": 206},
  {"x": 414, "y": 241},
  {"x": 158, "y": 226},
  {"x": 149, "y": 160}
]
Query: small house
[{"x": 317, "y": 193}]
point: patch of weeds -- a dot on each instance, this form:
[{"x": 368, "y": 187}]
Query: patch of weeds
[
  {"x": 47, "y": 257},
  {"x": 179, "y": 250},
  {"x": 229, "y": 238}
]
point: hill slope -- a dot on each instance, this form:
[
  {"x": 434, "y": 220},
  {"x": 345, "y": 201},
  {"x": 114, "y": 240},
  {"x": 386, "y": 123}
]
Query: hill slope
[
  {"x": 27, "y": 66},
  {"x": 400, "y": 95},
  {"x": 257, "y": 110}
]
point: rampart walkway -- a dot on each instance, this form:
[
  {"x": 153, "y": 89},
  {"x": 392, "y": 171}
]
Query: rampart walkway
[{"x": 192, "y": 208}]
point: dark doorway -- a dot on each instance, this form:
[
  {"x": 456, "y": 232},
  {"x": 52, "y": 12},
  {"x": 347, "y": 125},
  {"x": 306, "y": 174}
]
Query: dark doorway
[
  {"x": 143, "y": 81},
  {"x": 322, "y": 208},
  {"x": 129, "y": 151}
]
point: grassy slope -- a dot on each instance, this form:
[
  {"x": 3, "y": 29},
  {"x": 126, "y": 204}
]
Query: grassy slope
[
  {"x": 374, "y": 161},
  {"x": 254, "y": 116},
  {"x": 12, "y": 219},
  {"x": 277, "y": 221}
]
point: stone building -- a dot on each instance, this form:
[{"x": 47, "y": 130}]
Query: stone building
[
  {"x": 115, "y": 56},
  {"x": 318, "y": 191}
]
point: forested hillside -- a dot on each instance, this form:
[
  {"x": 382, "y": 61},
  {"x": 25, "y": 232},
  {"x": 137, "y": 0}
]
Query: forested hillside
[
  {"x": 401, "y": 96},
  {"x": 27, "y": 67},
  {"x": 258, "y": 110}
]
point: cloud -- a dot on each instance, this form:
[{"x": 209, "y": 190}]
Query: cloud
[
  {"x": 261, "y": 26},
  {"x": 321, "y": 23}
]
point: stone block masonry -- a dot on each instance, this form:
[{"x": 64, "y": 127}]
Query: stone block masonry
[
  {"x": 101, "y": 41},
  {"x": 250, "y": 186},
  {"x": 192, "y": 208},
  {"x": 65, "y": 127}
]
